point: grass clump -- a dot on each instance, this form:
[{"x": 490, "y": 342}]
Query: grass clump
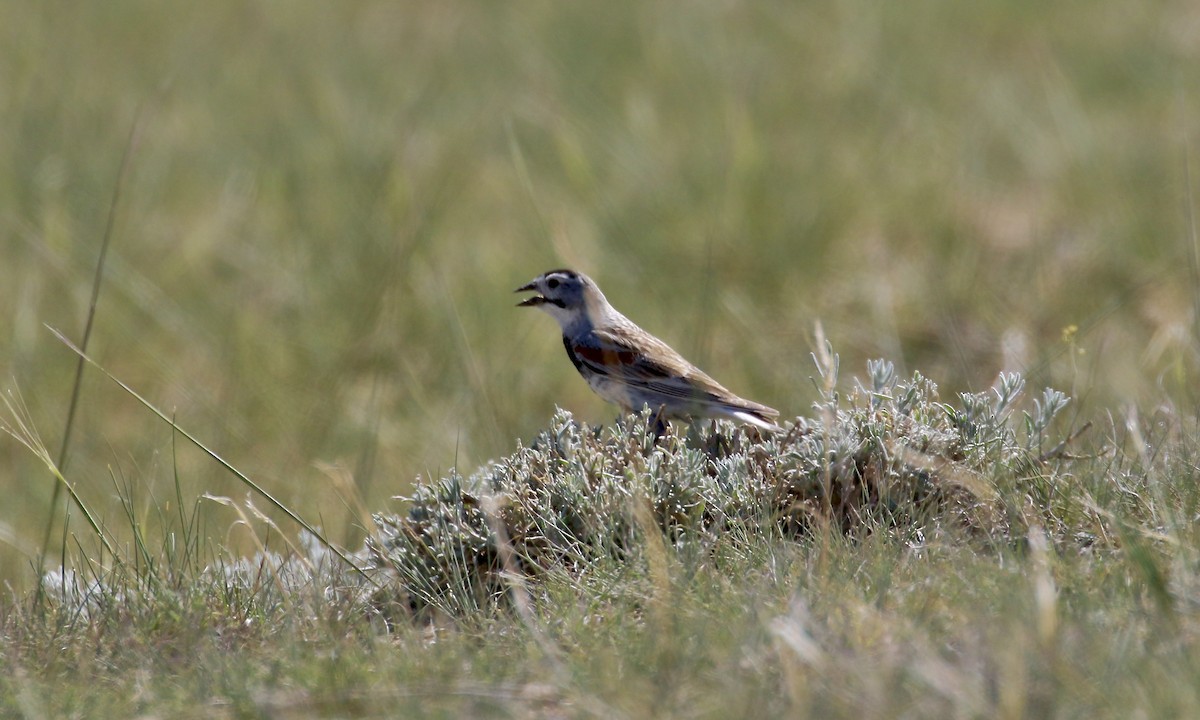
[
  {"x": 893, "y": 554},
  {"x": 889, "y": 458}
]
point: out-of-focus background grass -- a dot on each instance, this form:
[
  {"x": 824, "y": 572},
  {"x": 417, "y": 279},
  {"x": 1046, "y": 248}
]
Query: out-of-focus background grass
[{"x": 330, "y": 203}]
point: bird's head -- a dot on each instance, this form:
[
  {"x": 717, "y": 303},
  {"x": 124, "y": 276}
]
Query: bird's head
[{"x": 570, "y": 297}]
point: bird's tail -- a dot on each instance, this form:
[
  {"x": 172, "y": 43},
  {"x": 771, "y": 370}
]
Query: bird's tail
[{"x": 755, "y": 419}]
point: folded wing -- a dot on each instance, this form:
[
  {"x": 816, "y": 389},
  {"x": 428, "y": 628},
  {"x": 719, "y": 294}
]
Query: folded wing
[{"x": 645, "y": 362}]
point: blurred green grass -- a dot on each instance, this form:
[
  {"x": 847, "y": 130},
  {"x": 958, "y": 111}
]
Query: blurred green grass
[{"x": 330, "y": 205}]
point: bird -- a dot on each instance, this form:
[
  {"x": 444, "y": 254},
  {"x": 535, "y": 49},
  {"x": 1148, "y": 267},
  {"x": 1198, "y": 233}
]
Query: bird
[{"x": 628, "y": 366}]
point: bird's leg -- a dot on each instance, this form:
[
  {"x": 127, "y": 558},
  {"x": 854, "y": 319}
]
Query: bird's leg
[
  {"x": 717, "y": 445},
  {"x": 660, "y": 422}
]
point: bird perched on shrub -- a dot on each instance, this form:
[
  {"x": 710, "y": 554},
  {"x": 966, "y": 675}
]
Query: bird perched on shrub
[{"x": 628, "y": 366}]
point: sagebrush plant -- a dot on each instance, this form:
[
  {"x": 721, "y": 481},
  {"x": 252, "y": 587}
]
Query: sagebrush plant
[
  {"x": 890, "y": 457},
  {"x": 891, "y": 552}
]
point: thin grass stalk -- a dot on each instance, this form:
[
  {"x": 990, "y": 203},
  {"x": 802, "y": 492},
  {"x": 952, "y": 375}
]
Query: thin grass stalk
[
  {"x": 89, "y": 323},
  {"x": 245, "y": 479}
]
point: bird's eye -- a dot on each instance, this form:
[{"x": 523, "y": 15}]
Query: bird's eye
[{"x": 552, "y": 283}]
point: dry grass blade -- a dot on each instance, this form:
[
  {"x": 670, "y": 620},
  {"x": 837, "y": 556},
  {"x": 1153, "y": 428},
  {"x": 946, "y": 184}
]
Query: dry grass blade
[
  {"x": 262, "y": 492},
  {"x": 20, "y": 427},
  {"x": 77, "y": 385}
]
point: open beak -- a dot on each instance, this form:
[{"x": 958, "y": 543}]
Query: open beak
[{"x": 534, "y": 301}]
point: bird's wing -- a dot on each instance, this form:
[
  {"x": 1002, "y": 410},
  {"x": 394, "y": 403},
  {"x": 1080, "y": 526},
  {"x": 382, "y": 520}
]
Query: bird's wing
[{"x": 633, "y": 356}]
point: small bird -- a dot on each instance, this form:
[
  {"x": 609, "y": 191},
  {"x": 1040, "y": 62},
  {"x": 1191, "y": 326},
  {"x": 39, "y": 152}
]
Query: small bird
[{"x": 628, "y": 366}]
